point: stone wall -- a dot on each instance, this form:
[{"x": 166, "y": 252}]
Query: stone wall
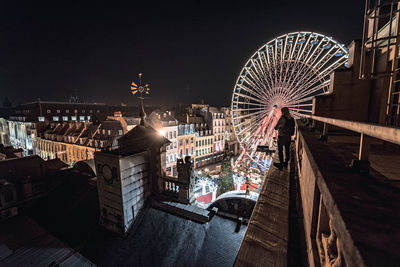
[
  {"x": 122, "y": 197},
  {"x": 135, "y": 184},
  {"x": 349, "y": 97},
  {"x": 350, "y": 219}
]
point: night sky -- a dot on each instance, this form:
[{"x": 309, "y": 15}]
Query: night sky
[{"x": 187, "y": 51}]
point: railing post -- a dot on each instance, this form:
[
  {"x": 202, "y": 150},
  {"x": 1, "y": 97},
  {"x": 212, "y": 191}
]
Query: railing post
[
  {"x": 364, "y": 147},
  {"x": 362, "y": 164},
  {"x": 324, "y": 135}
]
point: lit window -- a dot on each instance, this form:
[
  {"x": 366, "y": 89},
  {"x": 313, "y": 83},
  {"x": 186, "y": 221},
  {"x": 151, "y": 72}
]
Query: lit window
[
  {"x": 73, "y": 118},
  {"x": 40, "y": 118},
  {"x": 81, "y": 118},
  {"x": 58, "y": 111},
  {"x": 55, "y": 118},
  {"x": 75, "y": 110},
  {"x": 65, "y": 118}
]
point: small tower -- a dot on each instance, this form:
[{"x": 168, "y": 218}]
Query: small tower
[
  {"x": 129, "y": 175},
  {"x": 185, "y": 176}
]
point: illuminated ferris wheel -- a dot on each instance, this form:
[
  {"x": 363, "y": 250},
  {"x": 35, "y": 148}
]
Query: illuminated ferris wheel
[{"x": 288, "y": 71}]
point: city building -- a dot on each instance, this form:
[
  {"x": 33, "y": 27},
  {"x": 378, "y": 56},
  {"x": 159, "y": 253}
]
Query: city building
[
  {"x": 8, "y": 152},
  {"x": 75, "y": 141},
  {"x": 216, "y": 119},
  {"x": 167, "y": 126},
  {"x": 29, "y": 118},
  {"x": 186, "y": 140},
  {"x": 204, "y": 147},
  {"x": 4, "y": 132},
  {"x": 23, "y": 180},
  {"x": 230, "y": 136}
]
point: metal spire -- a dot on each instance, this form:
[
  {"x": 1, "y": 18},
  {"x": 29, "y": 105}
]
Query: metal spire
[{"x": 141, "y": 89}]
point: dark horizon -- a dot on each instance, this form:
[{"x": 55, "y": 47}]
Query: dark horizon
[{"x": 186, "y": 51}]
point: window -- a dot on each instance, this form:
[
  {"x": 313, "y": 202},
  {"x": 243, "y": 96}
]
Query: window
[
  {"x": 40, "y": 118},
  {"x": 98, "y": 111},
  {"x": 48, "y": 111},
  {"x": 187, "y": 152},
  {"x": 73, "y": 118},
  {"x": 75, "y": 110},
  {"x": 191, "y": 140},
  {"x": 180, "y": 143},
  {"x": 67, "y": 111},
  {"x": 81, "y": 118},
  {"x": 90, "y": 111},
  {"x": 187, "y": 142},
  {"x": 65, "y": 118},
  {"x": 174, "y": 134},
  {"x": 83, "y": 111},
  {"x": 191, "y": 151},
  {"x": 58, "y": 111},
  {"x": 55, "y": 118},
  {"x": 202, "y": 142},
  {"x": 8, "y": 196},
  {"x": 197, "y": 143},
  {"x": 180, "y": 153}
]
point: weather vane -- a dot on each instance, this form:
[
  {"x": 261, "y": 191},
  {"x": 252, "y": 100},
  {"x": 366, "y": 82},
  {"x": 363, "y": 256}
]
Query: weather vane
[{"x": 142, "y": 89}]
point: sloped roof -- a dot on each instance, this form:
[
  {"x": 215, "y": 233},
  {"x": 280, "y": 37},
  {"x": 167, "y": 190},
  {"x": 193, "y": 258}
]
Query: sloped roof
[
  {"x": 140, "y": 139},
  {"x": 163, "y": 239},
  {"x": 24, "y": 243}
]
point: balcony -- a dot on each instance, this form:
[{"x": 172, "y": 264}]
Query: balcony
[{"x": 337, "y": 204}]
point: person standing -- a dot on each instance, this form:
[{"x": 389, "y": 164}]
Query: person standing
[{"x": 285, "y": 128}]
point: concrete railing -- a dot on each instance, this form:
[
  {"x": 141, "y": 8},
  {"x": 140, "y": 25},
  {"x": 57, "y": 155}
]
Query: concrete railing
[
  {"x": 176, "y": 190},
  {"x": 367, "y": 130},
  {"x": 341, "y": 207},
  {"x": 389, "y": 134}
]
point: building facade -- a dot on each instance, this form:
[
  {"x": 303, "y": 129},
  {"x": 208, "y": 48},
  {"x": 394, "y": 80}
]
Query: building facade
[
  {"x": 75, "y": 141},
  {"x": 204, "y": 147},
  {"x": 186, "y": 141},
  {"x": 230, "y": 136},
  {"x": 167, "y": 126}
]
